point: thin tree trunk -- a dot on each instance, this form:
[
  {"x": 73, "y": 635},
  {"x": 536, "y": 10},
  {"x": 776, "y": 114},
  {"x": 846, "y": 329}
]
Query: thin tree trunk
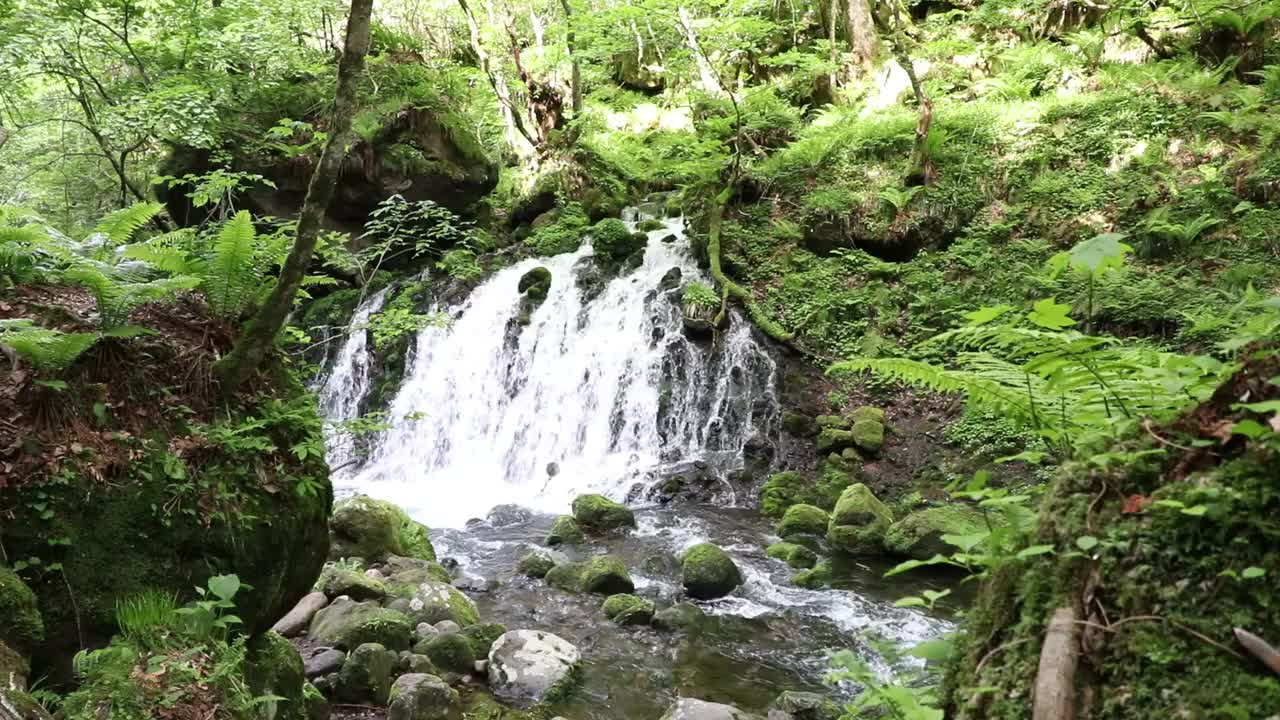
[
  {"x": 922, "y": 168},
  {"x": 834, "y": 77},
  {"x": 260, "y": 336},
  {"x": 862, "y": 31},
  {"x": 710, "y": 83},
  {"x": 511, "y": 114},
  {"x": 575, "y": 82}
]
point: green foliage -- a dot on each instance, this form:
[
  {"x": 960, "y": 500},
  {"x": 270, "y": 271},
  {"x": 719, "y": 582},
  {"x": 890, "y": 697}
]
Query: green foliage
[
  {"x": 48, "y": 350},
  {"x": 561, "y": 236},
  {"x": 233, "y": 277},
  {"x": 698, "y": 299}
]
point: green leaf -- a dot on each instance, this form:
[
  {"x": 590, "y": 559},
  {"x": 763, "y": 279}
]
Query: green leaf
[
  {"x": 910, "y": 565},
  {"x": 1034, "y": 550},
  {"x": 1252, "y": 572},
  {"x": 936, "y": 650},
  {"x": 1249, "y": 428},
  {"x": 985, "y": 315},
  {"x": 1265, "y": 406},
  {"x": 1086, "y": 542},
  {"x": 1195, "y": 510},
  {"x": 224, "y": 586},
  {"x": 1098, "y": 254},
  {"x": 966, "y": 542},
  {"x": 910, "y": 601},
  {"x": 1050, "y": 314}
]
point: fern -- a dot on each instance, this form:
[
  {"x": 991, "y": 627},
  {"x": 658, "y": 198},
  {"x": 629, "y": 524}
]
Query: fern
[
  {"x": 119, "y": 226},
  {"x": 46, "y": 349},
  {"x": 232, "y": 277}
]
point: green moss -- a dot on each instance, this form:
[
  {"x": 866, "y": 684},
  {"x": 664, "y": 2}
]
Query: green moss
[
  {"x": 797, "y": 556},
  {"x": 816, "y": 577},
  {"x": 535, "y": 564},
  {"x": 275, "y": 668},
  {"x": 606, "y": 574},
  {"x": 566, "y": 576},
  {"x": 859, "y": 522},
  {"x": 366, "y": 675},
  {"x": 613, "y": 241},
  {"x": 626, "y": 609},
  {"x": 649, "y": 225},
  {"x": 781, "y": 491},
  {"x": 452, "y": 652},
  {"x": 919, "y": 534},
  {"x": 347, "y": 624},
  {"x": 482, "y": 636},
  {"x": 707, "y": 572},
  {"x": 597, "y": 513},
  {"x": 22, "y": 627},
  {"x": 372, "y": 529},
  {"x": 335, "y": 581},
  {"x": 803, "y": 520},
  {"x": 868, "y": 435},
  {"x": 798, "y": 424},
  {"x": 565, "y": 531}
]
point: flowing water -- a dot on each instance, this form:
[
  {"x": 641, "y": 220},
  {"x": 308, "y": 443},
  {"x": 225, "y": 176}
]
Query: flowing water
[{"x": 603, "y": 392}]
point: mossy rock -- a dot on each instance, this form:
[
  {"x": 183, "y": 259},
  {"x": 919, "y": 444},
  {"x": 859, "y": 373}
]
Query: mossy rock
[
  {"x": 598, "y": 514},
  {"x": 707, "y": 572},
  {"x": 365, "y": 676},
  {"x": 781, "y": 491},
  {"x": 538, "y": 276},
  {"x": 274, "y": 667},
  {"x": 818, "y": 576},
  {"x": 832, "y": 422},
  {"x": 627, "y": 609},
  {"x": 868, "y": 435},
  {"x": 21, "y": 626},
  {"x": 421, "y": 696},
  {"x": 14, "y": 668},
  {"x": 803, "y": 519},
  {"x": 806, "y": 706},
  {"x": 452, "y": 652},
  {"x": 435, "y": 601},
  {"x": 364, "y": 527},
  {"x": 919, "y": 534},
  {"x": 612, "y": 241},
  {"x": 606, "y": 574},
  {"x": 535, "y": 564},
  {"x": 406, "y": 575},
  {"x": 649, "y": 225},
  {"x": 566, "y": 576},
  {"x": 565, "y": 531},
  {"x": 346, "y": 624},
  {"x": 337, "y": 581},
  {"x": 859, "y": 522},
  {"x": 795, "y": 555},
  {"x": 482, "y": 636},
  {"x": 798, "y": 424},
  {"x": 835, "y": 440},
  {"x": 866, "y": 412}
]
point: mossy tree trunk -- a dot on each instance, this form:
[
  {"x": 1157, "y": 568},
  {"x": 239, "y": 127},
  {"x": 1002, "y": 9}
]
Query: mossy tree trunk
[
  {"x": 575, "y": 83},
  {"x": 922, "y": 170},
  {"x": 861, "y": 30},
  {"x": 259, "y": 338}
]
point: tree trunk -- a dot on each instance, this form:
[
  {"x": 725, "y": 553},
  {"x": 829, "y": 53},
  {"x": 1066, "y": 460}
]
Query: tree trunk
[
  {"x": 861, "y": 30},
  {"x": 575, "y": 83},
  {"x": 260, "y": 336},
  {"x": 710, "y": 83},
  {"x": 922, "y": 170},
  {"x": 834, "y": 77},
  {"x": 511, "y": 114}
]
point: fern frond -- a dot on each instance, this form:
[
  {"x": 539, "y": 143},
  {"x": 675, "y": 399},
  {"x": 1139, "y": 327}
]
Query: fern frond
[
  {"x": 120, "y": 225},
  {"x": 232, "y": 277},
  {"x": 168, "y": 259},
  {"x": 46, "y": 349},
  {"x": 979, "y": 389}
]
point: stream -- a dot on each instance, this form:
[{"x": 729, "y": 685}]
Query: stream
[{"x": 603, "y": 392}]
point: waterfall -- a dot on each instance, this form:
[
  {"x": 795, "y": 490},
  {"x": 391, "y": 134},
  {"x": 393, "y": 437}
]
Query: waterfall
[
  {"x": 600, "y": 391},
  {"x": 345, "y": 386}
]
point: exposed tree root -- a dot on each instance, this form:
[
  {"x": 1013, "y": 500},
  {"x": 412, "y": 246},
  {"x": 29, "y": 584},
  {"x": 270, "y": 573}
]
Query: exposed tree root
[
  {"x": 1055, "y": 680},
  {"x": 730, "y": 288}
]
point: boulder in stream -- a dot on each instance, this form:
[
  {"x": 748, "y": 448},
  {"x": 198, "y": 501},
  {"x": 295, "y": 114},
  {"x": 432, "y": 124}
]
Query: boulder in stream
[
  {"x": 627, "y": 609},
  {"x": 420, "y": 696},
  {"x": 530, "y": 666},
  {"x": 859, "y": 522},
  {"x": 365, "y": 677},
  {"x": 707, "y": 572},
  {"x": 693, "y": 709},
  {"x": 337, "y": 581},
  {"x": 598, "y": 514},
  {"x": 537, "y": 563},
  {"x": 434, "y": 601},
  {"x": 802, "y": 519},
  {"x": 372, "y": 529},
  {"x": 793, "y": 554},
  {"x": 346, "y": 624},
  {"x": 919, "y": 534},
  {"x": 451, "y": 652},
  {"x": 605, "y": 574},
  {"x": 565, "y": 531},
  {"x": 681, "y": 616},
  {"x": 805, "y": 706}
]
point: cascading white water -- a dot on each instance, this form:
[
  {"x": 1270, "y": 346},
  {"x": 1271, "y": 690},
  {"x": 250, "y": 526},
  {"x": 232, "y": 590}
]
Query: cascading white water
[
  {"x": 593, "y": 395},
  {"x": 347, "y": 383}
]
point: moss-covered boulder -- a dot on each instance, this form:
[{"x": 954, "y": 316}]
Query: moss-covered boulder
[
  {"x": 605, "y": 574},
  {"x": 535, "y": 564},
  {"x": 806, "y": 706},
  {"x": 537, "y": 280},
  {"x": 346, "y": 624},
  {"x": 627, "y": 609},
  {"x": 434, "y": 601},
  {"x": 859, "y": 522},
  {"x": 365, "y": 676},
  {"x": 867, "y": 427},
  {"x": 452, "y": 652},
  {"x": 834, "y": 440},
  {"x": 678, "y": 617},
  {"x": 919, "y": 534},
  {"x": 613, "y": 241},
  {"x": 421, "y": 696},
  {"x": 274, "y": 668},
  {"x": 832, "y": 422},
  {"x": 21, "y": 626},
  {"x": 336, "y": 581},
  {"x": 364, "y": 527},
  {"x": 565, "y": 531},
  {"x": 815, "y": 577},
  {"x": 598, "y": 514},
  {"x": 797, "y": 556},
  {"x": 482, "y": 636},
  {"x": 798, "y": 424},
  {"x": 707, "y": 572},
  {"x": 803, "y": 520},
  {"x": 781, "y": 491}
]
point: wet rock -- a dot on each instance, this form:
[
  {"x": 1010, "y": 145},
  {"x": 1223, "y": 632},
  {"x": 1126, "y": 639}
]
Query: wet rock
[
  {"x": 273, "y": 667},
  {"x": 816, "y": 577},
  {"x": 482, "y": 637},
  {"x": 373, "y": 529},
  {"x": 859, "y": 522},
  {"x": 668, "y": 239},
  {"x": 451, "y": 653},
  {"x": 707, "y": 572},
  {"x": 421, "y": 696},
  {"x": 565, "y": 531},
  {"x": 692, "y": 709},
  {"x": 424, "y": 631},
  {"x": 798, "y": 424},
  {"x": 337, "y": 581},
  {"x": 598, "y": 514},
  {"x": 474, "y": 583},
  {"x": 323, "y": 662},
  {"x": 528, "y": 666},
  {"x": 537, "y": 563},
  {"x": 605, "y": 574},
  {"x": 299, "y": 618},
  {"x": 919, "y": 534},
  {"x": 793, "y": 554},
  {"x": 805, "y": 706},
  {"x": 365, "y": 677},
  {"x": 802, "y": 519},
  {"x": 506, "y": 515},
  {"x": 626, "y": 609},
  {"x": 696, "y": 328},
  {"x": 436, "y": 601},
  {"x": 612, "y": 241},
  {"x": 681, "y": 616},
  {"x": 346, "y": 624},
  {"x": 670, "y": 280}
]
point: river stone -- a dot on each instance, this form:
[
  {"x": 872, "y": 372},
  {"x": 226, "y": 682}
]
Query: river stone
[
  {"x": 626, "y": 609},
  {"x": 681, "y": 616},
  {"x": 803, "y": 519},
  {"x": 366, "y": 675},
  {"x": 527, "y": 666},
  {"x": 336, "y": 581},
  {"x": 299, "y": 618},
  {"x": 413, "y": 662},
  {"x": 859, "y": 522},
  {"x": 435, "y": 601},
  {"x": 597, "y": 513},
  {"x": 692, "y": 709},
  {"x": 323, "y": 662},
  {"x": 504, "y": 515},
  {"x": 419, "y": 696},
  {"x": 425, "y": 631},
  {"x": 451, "y": 652},
  {"x": 373, "y": 529},
  {"x": 919, "y": 534},
  {"x": 805, "y": 706},
  {"x": 796, "y": 555},
  {"x": 537, "y": 563},
  {"x": 707, "y": 572},
  {"x": 447, "y": 627},
  {"x": 565, "y": 531},
  {"x": 346, "y": 624}
]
